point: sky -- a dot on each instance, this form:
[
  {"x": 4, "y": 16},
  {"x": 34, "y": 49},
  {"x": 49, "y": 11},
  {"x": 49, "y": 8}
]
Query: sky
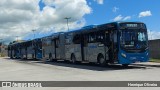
[{"x": 18, "y": 18}]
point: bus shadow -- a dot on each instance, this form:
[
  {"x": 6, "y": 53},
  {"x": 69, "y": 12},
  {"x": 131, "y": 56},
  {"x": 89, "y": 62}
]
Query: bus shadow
[
  {"x": 87, "y": 66},
  {"x": 7, "y": 58},
  {"x": 92, "y": 66}
]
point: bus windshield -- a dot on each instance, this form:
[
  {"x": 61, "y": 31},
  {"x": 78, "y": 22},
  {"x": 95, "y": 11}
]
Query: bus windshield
[{"x": 133, "y": 39}]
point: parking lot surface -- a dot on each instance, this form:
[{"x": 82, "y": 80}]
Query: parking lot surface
[{"x": 28, "y": 70}]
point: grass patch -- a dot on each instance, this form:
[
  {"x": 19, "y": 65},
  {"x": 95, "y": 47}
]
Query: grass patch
[
  {"x": 2, "y": 55},
  {"x": 154, "y": 60}
]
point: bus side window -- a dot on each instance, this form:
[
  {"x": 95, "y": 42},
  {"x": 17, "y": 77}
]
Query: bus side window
[
  {"x": 57, "y": 43},
  {"x": 108, "y": 37},
  {"x": 85, "y": 39},
  {"x": 77, "y": 39},
  {"x": 115, "y": 37},
  {"x": 68, "y": 39},
  {"x": 100, "y": 37},
  {"x": 92, "y": 37}
]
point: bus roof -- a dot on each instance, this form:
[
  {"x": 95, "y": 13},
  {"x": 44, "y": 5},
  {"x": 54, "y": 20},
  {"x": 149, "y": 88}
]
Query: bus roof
[
  {"x": 54, "y": 35},
  {"x": 87, "y": 28}
]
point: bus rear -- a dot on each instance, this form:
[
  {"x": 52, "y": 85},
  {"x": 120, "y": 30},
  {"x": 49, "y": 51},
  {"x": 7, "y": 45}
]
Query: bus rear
[{"x": 133, "y": 43}]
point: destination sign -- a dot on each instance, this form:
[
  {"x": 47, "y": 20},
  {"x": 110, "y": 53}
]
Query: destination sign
[{"x": 132, "y": 25}]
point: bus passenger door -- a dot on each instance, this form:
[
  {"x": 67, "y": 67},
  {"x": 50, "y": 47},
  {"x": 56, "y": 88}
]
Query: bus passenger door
[
  {"x": 57, "y": 48},
  {"x": 84, "y": 47},
  {"x": 112, "y": 45},
  {"x": 62, "y": 46}
]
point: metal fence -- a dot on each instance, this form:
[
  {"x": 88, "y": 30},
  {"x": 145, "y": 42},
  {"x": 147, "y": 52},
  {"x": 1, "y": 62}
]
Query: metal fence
[{"x": 154, "y": 48}]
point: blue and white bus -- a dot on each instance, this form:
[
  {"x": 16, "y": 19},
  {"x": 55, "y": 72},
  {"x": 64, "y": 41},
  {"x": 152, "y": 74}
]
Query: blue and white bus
[
  {"x": 31, "y": 49},
  {"x": 14, "y": 50},
  {"x": 118, "y": 42}
]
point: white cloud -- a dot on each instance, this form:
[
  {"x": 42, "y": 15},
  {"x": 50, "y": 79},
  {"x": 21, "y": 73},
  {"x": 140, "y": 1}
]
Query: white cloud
[
  {"x": 75, "y": 9},
  {"x": 153, "y": 34},
  {"x": 126, "y": 18},
  {"x": 99, "y": 1},
  {"x": 121, "y": 18},
  {"x": 118, "y": 18},
  {"x": 145, "y": 14},
  {"x": 19, "y": 17},
  {"x": 115, "y": 9}
]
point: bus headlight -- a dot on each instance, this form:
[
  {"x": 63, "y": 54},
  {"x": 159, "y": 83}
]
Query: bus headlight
[
  {"x": 123, "y": 55},
  {"x": 147, "y": 54}
]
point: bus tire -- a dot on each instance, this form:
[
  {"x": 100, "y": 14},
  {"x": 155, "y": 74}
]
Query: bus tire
[
  {"x": 73, "y": 59},
  {"x": 102, "y": 62}
]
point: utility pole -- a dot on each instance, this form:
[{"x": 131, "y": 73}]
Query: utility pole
[
  {"x": 67, "y": 18},
  {"x": 33, "y": 33}
]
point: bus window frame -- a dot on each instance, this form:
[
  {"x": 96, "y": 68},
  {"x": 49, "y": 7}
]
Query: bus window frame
[{"x": 76, "y": 39}]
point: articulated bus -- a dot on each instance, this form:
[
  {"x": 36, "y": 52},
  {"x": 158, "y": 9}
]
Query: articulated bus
[
  {"x": 53, "y": 46},
  {"x": 14, "y": 50},
  {"x": 117, "y": 42},
  {"x": 31, "y": 49}
]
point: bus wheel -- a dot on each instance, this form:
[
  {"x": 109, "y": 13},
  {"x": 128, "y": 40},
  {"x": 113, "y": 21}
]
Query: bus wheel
[
  {"x": 125, "y": 65},
  {"x": 73, "y": 59},
  {"x": 102, "y": 61}
]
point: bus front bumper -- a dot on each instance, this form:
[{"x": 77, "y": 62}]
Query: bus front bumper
[{"x": 128, "y": 58}]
